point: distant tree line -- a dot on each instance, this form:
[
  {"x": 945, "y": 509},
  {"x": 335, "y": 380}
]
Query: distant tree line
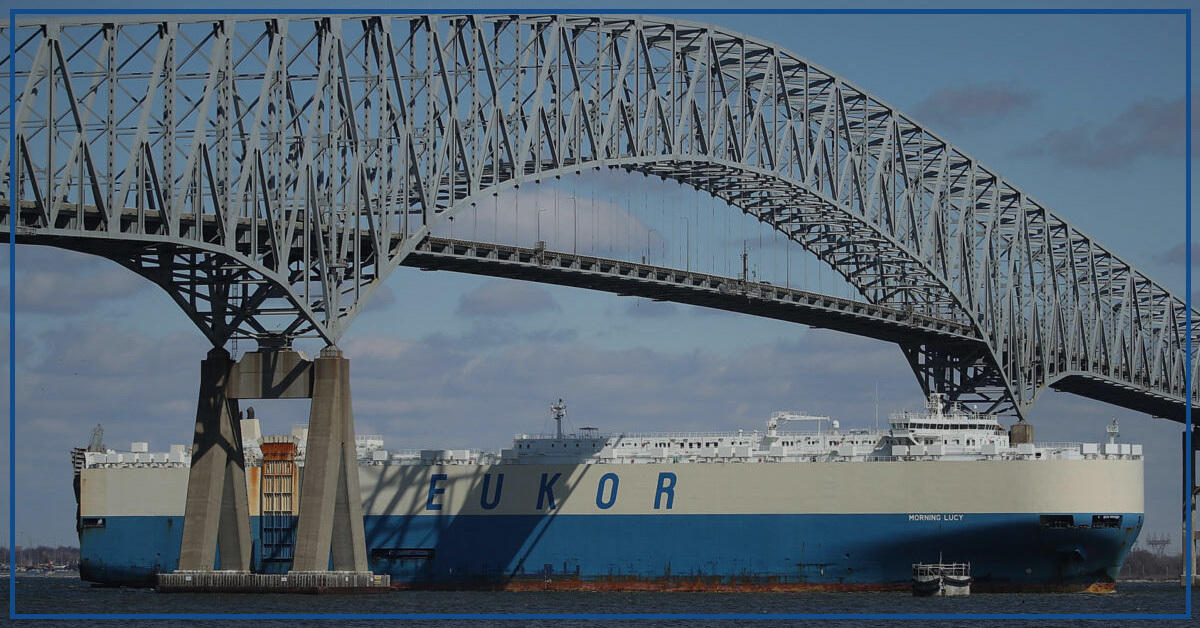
[
  {"x": 1142, "y": 564},
  {"x": 41, "y": 555}
]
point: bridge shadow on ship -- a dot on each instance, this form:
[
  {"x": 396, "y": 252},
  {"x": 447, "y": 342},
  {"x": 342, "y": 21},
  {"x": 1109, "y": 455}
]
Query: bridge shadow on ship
[
  {"x": 1013, "y": 552},
  {"x": 423, "y": 544}
]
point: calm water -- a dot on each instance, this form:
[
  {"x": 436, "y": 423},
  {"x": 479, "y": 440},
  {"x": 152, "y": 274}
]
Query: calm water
[{"x": 68, "y": 595}]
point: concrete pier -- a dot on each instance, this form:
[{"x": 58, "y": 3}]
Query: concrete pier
[
  {"x": 1193, "y": 539},
  {"x": 331, "y": 520},
  {"x": 294, "y": 582},
  {"x": 216, "y": 513},
  {"x": 1195, "y": 544}
]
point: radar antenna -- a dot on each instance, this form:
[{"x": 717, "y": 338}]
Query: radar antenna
[{"x": 1113, "y": 430}]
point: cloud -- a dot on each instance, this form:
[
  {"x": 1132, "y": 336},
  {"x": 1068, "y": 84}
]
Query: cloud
[
  {"x": 1151, "y": 127},
  {"x": 430, "y": 391},
  {"x": 563, "y": 220},
  {"x": 645, "y": 308},
  {"x": 955, "y": 107},
  {"x": 59, "y": 281},
  {"x": 490, "y": 333},
  {"x": 380, "y": 300},
  {"x": 503, "y": 297},
  {"x": 1177, "y": 255},
  {"x": 82, "y": 362}
]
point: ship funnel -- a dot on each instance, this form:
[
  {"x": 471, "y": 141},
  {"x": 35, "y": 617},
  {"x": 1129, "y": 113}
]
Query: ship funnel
[{"x": 1020, "y": 433}]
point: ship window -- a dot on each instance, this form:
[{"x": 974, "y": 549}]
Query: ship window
[
  {"x": 402, "y": 553},
  {"x": 1057, "y": 521}
]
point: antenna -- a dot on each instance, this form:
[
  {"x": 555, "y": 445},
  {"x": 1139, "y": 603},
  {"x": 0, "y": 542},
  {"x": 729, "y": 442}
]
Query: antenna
[
  {"x": 745, "y": 256},
  {"x": 877, "y": 405},
  {"x": 558, "y": 411},
  {"x": 1113, "y": 431}
]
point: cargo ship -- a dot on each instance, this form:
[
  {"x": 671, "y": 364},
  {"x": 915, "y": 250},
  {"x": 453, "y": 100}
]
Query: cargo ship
[{"x": 813, "y": 509}]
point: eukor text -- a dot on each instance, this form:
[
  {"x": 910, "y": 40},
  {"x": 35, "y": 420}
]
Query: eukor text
[{"x": 492, "y": 492}]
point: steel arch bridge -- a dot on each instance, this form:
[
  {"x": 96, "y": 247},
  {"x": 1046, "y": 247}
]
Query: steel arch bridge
[{"x": 269, "y": 172}]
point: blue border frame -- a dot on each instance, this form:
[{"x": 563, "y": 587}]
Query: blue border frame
[{"x": 12, "y": 333}]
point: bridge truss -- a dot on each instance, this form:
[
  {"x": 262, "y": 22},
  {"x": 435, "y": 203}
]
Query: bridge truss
[{"x": 268, "y": 172}]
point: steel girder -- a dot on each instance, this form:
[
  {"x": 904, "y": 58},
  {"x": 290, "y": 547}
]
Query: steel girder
[{"x": 354, "y": 136}]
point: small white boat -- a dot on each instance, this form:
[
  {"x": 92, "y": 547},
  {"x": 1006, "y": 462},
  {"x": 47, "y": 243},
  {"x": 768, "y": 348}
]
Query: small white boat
[{"x": 942, "y": 579}]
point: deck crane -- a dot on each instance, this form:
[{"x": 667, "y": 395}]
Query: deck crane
[
  {"x": 97, "y": 437},
  {"x": 779, "y": 418}
]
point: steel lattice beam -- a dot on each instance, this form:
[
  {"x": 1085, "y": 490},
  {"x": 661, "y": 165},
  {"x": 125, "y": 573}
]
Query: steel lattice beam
[{"x": 155, "y": 140}]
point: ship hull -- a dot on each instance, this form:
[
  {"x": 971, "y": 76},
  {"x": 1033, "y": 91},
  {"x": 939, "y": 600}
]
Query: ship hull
[
  {"x": 764, "y": 527},
  {"x": 689, "y": 552}
]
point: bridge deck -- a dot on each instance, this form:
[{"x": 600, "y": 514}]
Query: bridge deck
[{"x": 705, "y": 290}]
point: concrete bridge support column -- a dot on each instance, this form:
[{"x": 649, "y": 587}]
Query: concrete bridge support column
[
  {"x": 331, "y": 517},
  {"x": 1193, "y": 493},
  {"x": 216, "y": 514},
  {"x": 1195, "y": 540}
]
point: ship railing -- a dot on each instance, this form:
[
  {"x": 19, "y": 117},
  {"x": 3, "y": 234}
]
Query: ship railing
[
  {"x": 136, "y": 465},
  {"x": 1058, "y": 446},
  {"x": 683, "y": 435},
  {"x": 1135, "y": 451},
  {"x": 948, "y": 417},
  {"x": 589, "y": 436}
]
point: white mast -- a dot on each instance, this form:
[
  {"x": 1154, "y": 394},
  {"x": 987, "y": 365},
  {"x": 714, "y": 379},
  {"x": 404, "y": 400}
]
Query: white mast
[{"x": 558, "y": 411}]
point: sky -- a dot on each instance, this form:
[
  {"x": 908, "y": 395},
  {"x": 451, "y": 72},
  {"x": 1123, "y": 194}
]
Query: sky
[{"x": 1083, "y": 112}]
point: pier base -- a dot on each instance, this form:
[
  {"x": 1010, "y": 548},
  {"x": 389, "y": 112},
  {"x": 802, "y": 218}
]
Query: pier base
[
  {"x": 216, "y": 516},
  {"x": 295, "y": 582}
]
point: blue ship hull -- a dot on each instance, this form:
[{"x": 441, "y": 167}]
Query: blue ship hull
[{"x": 675, "y": 552}]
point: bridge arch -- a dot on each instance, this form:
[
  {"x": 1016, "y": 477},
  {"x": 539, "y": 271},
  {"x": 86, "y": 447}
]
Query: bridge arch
[{"x": 318, "y": 151}]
